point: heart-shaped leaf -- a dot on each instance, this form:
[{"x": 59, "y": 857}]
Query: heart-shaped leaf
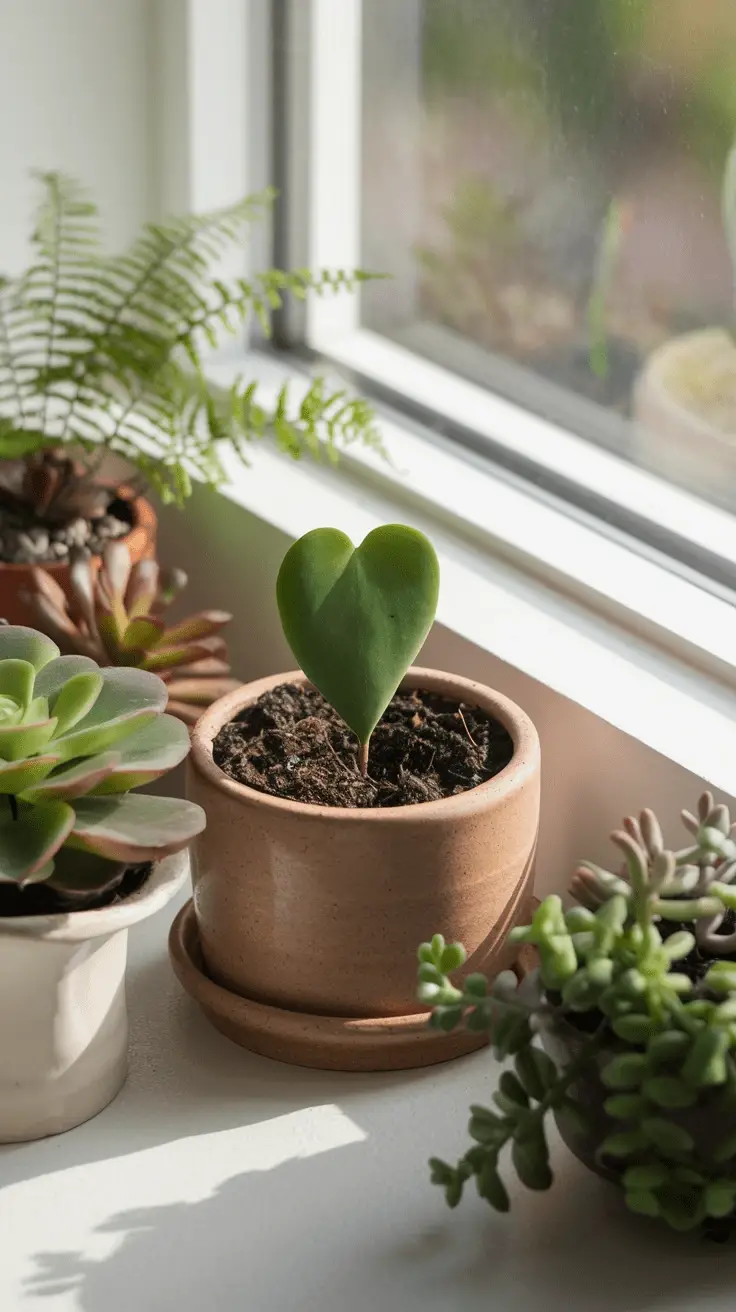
[{"x": 355, "y": 618}]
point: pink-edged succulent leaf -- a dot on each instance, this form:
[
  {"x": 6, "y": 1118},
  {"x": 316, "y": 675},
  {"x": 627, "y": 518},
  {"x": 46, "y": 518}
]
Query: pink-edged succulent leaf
[
  {"x": 77, "y": 780},
  {"x": 28, "y": 843},
  {"x": 201, "y": 625},
  {"x": 200, "y": 692},
  {"x": 146, "y": 755},
  {"x": 208, "y": 667},
  {"x": 76, "y": 699},
  {"x": 57, "y": 673},
  {"x": 16, "y": 776},
  {"x": 21, "y": 740},
  {"x": 135, "y": 828},
  {"x": 142, "y": 589},
  {"x": 16, "y": 681},
  {"x": 168, "y": 658},
  {"x": 128, "y": 699},
  {"x": 19, "y": 643},
  {"x": 142, "y": 633},
  {"x": 116, "y": 569},
  {"x": 82, "y": 583}
]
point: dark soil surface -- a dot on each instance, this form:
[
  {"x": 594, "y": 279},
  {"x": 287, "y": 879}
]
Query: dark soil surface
[
  {"x": 27, "y": 540},
  {"x": 42, "y": 900},
  {"x": 292, "y": 744}
]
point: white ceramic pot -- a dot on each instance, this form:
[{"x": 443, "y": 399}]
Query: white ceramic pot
[
  {"x": 63, "y": 1018},
  {"x": 684, "y": 406}
]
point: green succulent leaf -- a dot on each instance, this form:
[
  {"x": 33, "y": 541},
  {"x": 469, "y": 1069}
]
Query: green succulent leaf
[
  {"x": 625, "y": 1071},
  {"x": 643, "y": 1202},
  {"x": 145, "y": 755},
  {"x": 22, "y": 740},
  {"x": 16, "y": 682},
  {"x": 452, "y": 958},
  {"x": 531, "y": 1163},
  {"x": 624, "y": 1144},
  {"x": 673, "y": 1141},
  {"x": 133, "y": 828},
  {"x": 667, "y": 1048},
  {"x": 669, "y": 1091},
  {"x": 29, "y": 842},
  {"x": 74, "y": 781},
  {"x": 128, "y": 699},
  {"x": 649, "y": 1176},
  {"x": 355, "y": 618},
  {"x": 17, "y": 776},
  {"x": 57, "y": 673},
  {"x": 625, "y": 1106},
  {"x": 75, "y": 699},
  {"x": 21, "y": 644},
  {"x": 490, "y": 1186},
  {"x": 720, "y": 1198},
  {"x": 726, "y": 1149},
  {"x": 706, "y": 1063}
]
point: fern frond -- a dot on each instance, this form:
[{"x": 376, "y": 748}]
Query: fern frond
[{"x": 107, "y": 352}]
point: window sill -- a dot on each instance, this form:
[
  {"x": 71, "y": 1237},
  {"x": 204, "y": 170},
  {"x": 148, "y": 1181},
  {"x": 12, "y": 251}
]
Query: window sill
[{"x": 647, "y": 651}]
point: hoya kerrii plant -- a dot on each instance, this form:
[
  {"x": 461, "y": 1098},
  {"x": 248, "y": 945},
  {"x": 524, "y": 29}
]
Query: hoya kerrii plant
[
  {"x": 104, "y": 353},
  {"x": 356, "y": 617},
  {"x": 117, "y": 616},
  {"x": 75, "y": 740},
  {"x": 634, "y": 1001}
]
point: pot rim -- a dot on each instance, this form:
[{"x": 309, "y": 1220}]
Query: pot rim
[
  {"x": 144, "y": 517},
  {"x": 523, "y": 765},
  {"x": 166, "y": 878}
]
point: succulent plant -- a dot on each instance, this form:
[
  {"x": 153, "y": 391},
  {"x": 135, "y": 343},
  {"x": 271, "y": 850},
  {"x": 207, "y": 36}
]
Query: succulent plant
[
  {"x": 74, "y": 740},
  {"x": 653, "y": 1020},
  {"x": 116, "y": 618},
  {"x": 52, "y": 488}
]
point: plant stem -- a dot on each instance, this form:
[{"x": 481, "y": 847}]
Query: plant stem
[{"x": 363, "y": 758}]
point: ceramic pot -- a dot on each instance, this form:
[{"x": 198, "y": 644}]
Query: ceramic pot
[
  {"x": 684, "y": 382},
  {"x": 312, "y": 913},
  {"x": 16, "y": 579},
  {"x": 63, "y": 1018}
]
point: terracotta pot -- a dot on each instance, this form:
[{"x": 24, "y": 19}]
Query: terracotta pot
[
  {"x": 311, "y": 912},
  {"x": 16, "y": 579},
  {"x": 675, "y": 436},
  {"x": 63, "y": 1019}
]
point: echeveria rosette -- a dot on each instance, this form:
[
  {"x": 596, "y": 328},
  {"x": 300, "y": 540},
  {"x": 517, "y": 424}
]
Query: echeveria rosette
[{"x": 74, "y": 739}]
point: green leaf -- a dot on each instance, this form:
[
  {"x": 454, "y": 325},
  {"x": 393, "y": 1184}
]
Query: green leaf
[
  {"x": 491, "y": 1187},
  {"x": 355, "y": 618},
  {"x": 28, "y": 844},
  {"x": 668, "y": 1047},
  {"x": 531, "y": 1163},
  {"x": 73, "y": 782},
  {"x": 146, "y": 754},
  {"x": 642, "y": 1201},
  {"x": 679, "y": 945},
  {"x": 634, "y": 1028},
  {"x": 453, "y": 957},
  {"x": 19, "y": 643},
  {"x": 529, "y": 1073},
  {"x": 672, "y": 1140},
  {"x": 135, "y": 828},
  {"x": 668, "y": 1091},
  {"x": 726, "y": 1149},
  {"x": 681, "y": 1207},
  {"x": 720, "y": 1197},
  {"x": 16, "y": 681},
  {"x": 57, "y": 673},
  {"x": 706, "y": 1063},
  {"x": 649, "y": 1176},
  {"x": 625, "y": 1071},
  {"x": 75, "y": 700},
  {"x": 128, "y": 699},
  {"x": 625, "y": 1106},
  {"x": 476, "y": 985},
  {"x": 624, "y": 1144},
  {"x": 16, "y": 776},
  {"x": 512, "y": 1088},
  {"x": 19, "y": 741}
]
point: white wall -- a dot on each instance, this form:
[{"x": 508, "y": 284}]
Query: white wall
[
  {"x": 592, "y": 773},
  {"x": 75, "y": 82}
]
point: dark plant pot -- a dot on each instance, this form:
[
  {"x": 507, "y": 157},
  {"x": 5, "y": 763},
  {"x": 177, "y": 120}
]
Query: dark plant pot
[
  {"x": 17, "y": 579},
  {"x": 707, "y": 1121}
]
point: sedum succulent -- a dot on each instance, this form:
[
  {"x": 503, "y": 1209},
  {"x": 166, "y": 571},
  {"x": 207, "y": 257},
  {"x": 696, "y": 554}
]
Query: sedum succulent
[
  {"x": 117, "y": 618},
  {"x": 74, "y": 740},
  {"x": 644, "y": 1011}
]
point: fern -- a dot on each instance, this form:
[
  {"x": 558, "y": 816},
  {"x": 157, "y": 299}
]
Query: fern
[{"x": 106, "y": 352}]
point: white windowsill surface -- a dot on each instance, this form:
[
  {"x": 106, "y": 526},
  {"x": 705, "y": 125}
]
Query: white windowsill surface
[
  {"x": 219, "y": 1181},
  {"x": 650, "y": 653}
]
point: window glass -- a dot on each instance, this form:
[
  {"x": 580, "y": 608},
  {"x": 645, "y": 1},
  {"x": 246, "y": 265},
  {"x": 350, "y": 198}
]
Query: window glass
[{"x": 544, "y": 181}]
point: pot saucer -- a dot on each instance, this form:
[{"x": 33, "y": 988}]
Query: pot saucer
[{"x": 338, "y": 1043}]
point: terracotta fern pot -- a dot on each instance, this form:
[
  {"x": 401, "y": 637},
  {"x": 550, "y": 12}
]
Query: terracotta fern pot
[
  {"x": 16, "y": 579},
  {"x": 63, "y": 1018},
  {"x": 301, "y": 940}
]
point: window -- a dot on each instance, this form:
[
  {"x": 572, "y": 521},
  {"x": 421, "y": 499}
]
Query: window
[{"x": 543, "y": 181}]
